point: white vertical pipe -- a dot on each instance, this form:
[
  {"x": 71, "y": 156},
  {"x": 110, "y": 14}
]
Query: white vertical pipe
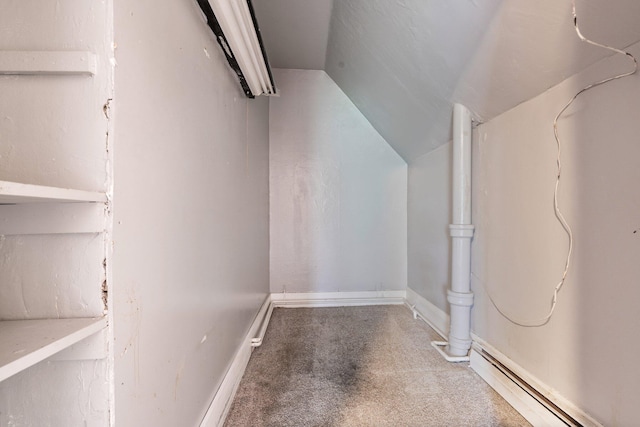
[
  {"x": 461, "y": 165},
  {"x": 460, "y": 296}
]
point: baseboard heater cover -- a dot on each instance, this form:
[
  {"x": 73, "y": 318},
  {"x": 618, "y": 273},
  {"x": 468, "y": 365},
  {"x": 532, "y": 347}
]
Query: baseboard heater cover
[{"x": 559, "y": 413}]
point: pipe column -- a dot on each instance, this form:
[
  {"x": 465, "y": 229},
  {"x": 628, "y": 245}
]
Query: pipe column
[{"x": 461, "y": 231}]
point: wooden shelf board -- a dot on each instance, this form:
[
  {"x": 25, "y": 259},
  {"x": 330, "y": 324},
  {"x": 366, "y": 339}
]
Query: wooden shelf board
[
  {"x": 17, "y": 193},
  {"x": 47, "y": 63},
  {"x": 23, "y": 343}
]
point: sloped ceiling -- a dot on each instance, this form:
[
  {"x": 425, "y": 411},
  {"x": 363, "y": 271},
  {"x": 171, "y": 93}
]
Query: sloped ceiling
[
  {"x": 405, "y": 62},
  {"x": 295, "y": 32}
]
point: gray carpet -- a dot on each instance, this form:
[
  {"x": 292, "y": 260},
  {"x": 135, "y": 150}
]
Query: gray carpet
[{"x": 360, "y": 366}]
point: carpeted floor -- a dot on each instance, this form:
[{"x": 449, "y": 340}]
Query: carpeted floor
[{"x": 360, "y": 366}]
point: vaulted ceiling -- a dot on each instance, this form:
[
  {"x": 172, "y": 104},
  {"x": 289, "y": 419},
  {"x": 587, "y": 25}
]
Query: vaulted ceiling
[{"x": 405, "y": 62}]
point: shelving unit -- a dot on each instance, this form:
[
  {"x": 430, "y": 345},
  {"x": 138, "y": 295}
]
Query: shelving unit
[
  {"x": 27, "y": 342},
  {"x": 27, "y": 209},
  {"x": 55, "y": 241}
]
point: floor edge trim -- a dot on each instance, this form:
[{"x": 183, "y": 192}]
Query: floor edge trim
[
  {"x": 515, "y": 394},
  {"x": 219, "y": 407},
  {"x": 338, "y": 299}
]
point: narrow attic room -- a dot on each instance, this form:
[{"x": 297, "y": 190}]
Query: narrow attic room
[{"x": 338, "y": 212}]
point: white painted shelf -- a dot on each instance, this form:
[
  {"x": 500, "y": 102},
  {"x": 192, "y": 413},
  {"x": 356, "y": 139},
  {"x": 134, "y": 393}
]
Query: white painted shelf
[
  {"x": 17, "y": 193},
  {"x": 23, "y": 343},
  {"x": 47, "y": 63}
]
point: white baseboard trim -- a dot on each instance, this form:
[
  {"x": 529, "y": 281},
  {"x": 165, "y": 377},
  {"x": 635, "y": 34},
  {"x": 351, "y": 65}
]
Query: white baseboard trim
[
  {"x": 337, "y": 299},
  {"x": 529, "y": 396},
  {"x": 434, "y": 316},
  {"x": 536, "y": 401},
  {"x": 221, "y": 403}
]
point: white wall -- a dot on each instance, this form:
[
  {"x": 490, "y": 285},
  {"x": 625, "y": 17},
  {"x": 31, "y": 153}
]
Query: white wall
[
  {"x": 338, "y": 193},
  {"x": 429, "y": 216},
  {"x": 190, "y": 214},
  {"x": 586, "y": 351}
]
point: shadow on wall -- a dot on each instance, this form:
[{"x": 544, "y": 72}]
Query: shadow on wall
[
  {"x": 603, "y": 194},
  {"x": 430, "y": 184}
]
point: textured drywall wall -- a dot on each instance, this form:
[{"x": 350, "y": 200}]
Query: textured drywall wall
[
  {"x": 429, "y": 216},
  {"x": 51, "y": 276},
  {"x": 404, "y": 64},
  {"x": 519, "y": 248},
  {"x": 57, "y": 393},
  {"x": 294, "y": 33},
  {"x": 338, "y": 193},
  {"x": 190, "y": 214},
  {"x": 52, "y": 129}
]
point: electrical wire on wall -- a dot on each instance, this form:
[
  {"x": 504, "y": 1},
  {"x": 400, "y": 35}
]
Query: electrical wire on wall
[{"x": 565, "y": 225}]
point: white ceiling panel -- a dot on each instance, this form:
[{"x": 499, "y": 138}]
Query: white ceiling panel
[{"x": 294, "y": 32}]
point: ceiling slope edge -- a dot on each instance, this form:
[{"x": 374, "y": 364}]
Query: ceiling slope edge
[{"x": 404, "y": 68}]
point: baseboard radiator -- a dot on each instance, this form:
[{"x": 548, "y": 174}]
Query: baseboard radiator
[{"x": 562, "y": 415}]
